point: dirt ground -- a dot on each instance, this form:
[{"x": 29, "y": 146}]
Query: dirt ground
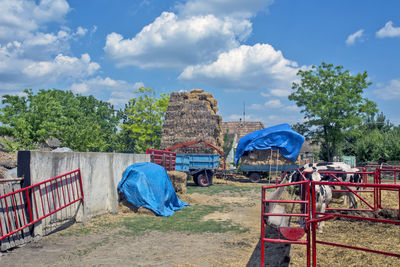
[{"x": 111, "y": 247}]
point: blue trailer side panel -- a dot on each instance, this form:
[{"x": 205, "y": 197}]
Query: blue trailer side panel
[
  {"x": 186, "y": 162},
  {"x": 182, "y": 163}
]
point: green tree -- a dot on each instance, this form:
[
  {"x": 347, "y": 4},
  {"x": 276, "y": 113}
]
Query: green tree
[
  {"x": 332, "y": 102},
  {"x": 354, "y": 138},
  {"x": 143, "y": 117},
  {"x": 79, "y": 122},
  {"x": 371, "y": 146}
]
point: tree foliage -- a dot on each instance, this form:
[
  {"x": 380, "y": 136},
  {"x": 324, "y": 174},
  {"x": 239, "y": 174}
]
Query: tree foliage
[
  {"x": 332, "y": 102},
  {"x": 142, "y": 121},
  {"x": 82, "y": 123}
]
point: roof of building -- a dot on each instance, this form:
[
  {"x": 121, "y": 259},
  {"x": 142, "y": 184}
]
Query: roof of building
[{"x": 241, "y": 128}]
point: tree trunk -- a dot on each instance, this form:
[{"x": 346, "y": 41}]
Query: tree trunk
[{"x": 328, "y": 152}]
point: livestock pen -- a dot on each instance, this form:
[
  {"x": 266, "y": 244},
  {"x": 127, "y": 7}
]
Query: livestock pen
[{"x": 374, "y": 221}]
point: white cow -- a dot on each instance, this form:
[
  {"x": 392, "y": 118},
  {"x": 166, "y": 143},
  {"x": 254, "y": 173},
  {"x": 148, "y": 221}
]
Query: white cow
[{"x": 339, "y": 169}]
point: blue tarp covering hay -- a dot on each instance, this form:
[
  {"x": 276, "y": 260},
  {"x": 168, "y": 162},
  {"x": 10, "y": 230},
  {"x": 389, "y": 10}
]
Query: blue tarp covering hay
[
  {"x": 280, "y": 137},
  {"x": 148, "y": 185}
]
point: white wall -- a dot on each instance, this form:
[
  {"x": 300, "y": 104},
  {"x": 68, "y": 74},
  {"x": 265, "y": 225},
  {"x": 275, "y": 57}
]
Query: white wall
[{"x": 100, "y": 173}]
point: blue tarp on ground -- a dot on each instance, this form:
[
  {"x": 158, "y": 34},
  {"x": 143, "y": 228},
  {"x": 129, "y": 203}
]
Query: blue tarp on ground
[
  {"x": 148, "y": 185},
  {"x": 280, "y": 137}
]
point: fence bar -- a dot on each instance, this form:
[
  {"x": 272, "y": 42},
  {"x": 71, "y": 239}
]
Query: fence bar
[
  {"x": 359, "y": 248},
  {"x": 23, "y": 222}
]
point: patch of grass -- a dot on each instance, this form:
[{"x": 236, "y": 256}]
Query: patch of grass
[
  {"x": 188, "y": 219},
  {"x": 221, "y": 188}
]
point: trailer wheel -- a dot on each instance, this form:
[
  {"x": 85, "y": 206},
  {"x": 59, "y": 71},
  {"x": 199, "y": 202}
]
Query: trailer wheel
[
  {"x": 204, "y": 179},
  {"x": 254, "y": 177}
]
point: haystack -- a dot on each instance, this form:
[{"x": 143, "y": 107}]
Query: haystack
[
  {"x": 178, "y": 180},
  {"x": 263, "y": 157},
  {"x": 189, "y": 117}
]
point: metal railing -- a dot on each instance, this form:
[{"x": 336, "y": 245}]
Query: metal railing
[{"x": 27, "y": 206}]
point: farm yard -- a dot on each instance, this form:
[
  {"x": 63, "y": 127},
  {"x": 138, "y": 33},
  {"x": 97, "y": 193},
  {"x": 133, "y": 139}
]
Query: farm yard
[{"x": 220, "y": 228}]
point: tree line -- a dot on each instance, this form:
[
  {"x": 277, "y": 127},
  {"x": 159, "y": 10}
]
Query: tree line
[
  {"x": 337, "y": 116},
  {"x": 82, "y": 123}
]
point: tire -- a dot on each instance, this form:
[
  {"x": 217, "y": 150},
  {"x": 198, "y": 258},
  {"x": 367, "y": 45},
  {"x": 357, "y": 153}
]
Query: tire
[
  {"x": 254, "y": 177},
  {"x": 204, "y": 179}
]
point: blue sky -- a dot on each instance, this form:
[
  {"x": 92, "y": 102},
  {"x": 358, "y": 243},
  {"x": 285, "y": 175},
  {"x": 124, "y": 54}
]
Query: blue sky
[{"x": 240, "y": 51}]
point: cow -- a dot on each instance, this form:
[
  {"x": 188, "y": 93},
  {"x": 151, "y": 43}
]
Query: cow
[
  {"x": 344, "y": 173},
  {"x": 325, "y": 172},
  {"x": 340, "y": 170},
  {"x": 323, "y": 193}
]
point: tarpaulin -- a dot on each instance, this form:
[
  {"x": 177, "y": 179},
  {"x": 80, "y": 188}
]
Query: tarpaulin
[
  {"x": 148, "y": 185},
  {"x": 280, "y": 137}
]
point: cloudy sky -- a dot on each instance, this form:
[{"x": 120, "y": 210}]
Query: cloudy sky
[{"x": 246, "y": 53}]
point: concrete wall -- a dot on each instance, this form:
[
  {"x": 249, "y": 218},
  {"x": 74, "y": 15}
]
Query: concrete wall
[{"x": 100, "y": 173}]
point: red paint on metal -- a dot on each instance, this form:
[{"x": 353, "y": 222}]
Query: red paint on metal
[
  {"x": 312, "y": 220},
  {"x": 292, "y": 233},
  {"x": 164, "y": 158},
  {"x": 21, "y": 223}
]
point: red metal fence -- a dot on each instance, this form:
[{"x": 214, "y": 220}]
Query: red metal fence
[
  {"x": 27, "y": 206},
  {"x": 163, "y": 158},
  {"x": 293, "y": 234}
]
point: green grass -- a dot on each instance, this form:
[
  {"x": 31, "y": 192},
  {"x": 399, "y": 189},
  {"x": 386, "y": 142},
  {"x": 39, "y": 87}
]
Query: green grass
[
  {"x": 188, "y": 219},
  {"x": 216, "y": 189}
]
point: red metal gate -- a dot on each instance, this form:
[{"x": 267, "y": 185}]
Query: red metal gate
[
  {"x": 163, "y": 158},
  {"x": 27, "y": 206},
  {"x": 313, "y": 217}
]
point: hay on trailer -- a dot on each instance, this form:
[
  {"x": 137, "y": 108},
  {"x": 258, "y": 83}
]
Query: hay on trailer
[
  {"x": 189, "y": 117},
  {"x": 178, "y": 180},
  {"x": 263, "y": 157}
]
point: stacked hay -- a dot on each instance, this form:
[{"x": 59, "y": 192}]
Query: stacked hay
[
  {"x": 178, "y": 180},
  {"x": 189, "y": 117},
  {"x": 263, "y": 157},
  {"x": 7, "y": 162},
  {"x": 125, "y": 206}
]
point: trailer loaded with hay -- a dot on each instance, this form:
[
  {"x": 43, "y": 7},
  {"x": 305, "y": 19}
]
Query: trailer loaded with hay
[
  {"x": 193, "y": 129},
  {"x": 267, "y": 151}
]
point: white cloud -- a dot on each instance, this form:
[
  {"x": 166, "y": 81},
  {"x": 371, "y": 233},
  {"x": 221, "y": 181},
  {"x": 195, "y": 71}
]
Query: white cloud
[
  {"x": 171, "y": 42},
  {"x": 18, "y": 71},
  {"x": 274, "y": 103},
  {"x": 21, "y": 17},
  {"x": 390, "y": 91},
  {"x": 81, "y": 31},
  {"x": 247, "y": 68},
  {"x": 354, "y": 37},
  {"x": 31, "y": 58},
  {"x": 256, "y": 107},
  {"x": 223, "y": 8},
  {"x": 388, "y": 31},
  {"x": 277, "y": 93},
  {"x": 118, "y": 92},
  {"x": 62, "y": 66}
]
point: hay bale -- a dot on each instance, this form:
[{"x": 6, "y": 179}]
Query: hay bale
[
  {"x": 192, "y": 117},
  {"x": 178, "y": 180},
  {"x": 125, "y": 206},
  {"x": 263, "y": 157},
  {"x": 196, "y": 91}
]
